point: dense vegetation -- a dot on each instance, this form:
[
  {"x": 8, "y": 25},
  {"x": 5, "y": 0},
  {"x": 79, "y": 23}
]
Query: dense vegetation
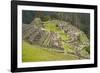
[
  {"x": 57, "y": 35},
  {"x": 80, "y": 20}
]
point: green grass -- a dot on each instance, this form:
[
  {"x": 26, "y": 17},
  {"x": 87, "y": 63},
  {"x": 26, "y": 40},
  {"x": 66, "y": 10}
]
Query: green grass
[
  {"x": 63, "y": 35},
  {"x": 83, "y": 38},
  {"x": 50, "y": 26},
  {"x": 34, "y": 53}
]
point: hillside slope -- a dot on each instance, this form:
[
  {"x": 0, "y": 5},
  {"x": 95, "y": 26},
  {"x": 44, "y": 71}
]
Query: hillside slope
[{"x": 56, "y": 35}]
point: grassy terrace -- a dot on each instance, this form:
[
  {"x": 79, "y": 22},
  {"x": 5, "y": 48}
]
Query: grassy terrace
[{"x": 33, "y": 53}]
